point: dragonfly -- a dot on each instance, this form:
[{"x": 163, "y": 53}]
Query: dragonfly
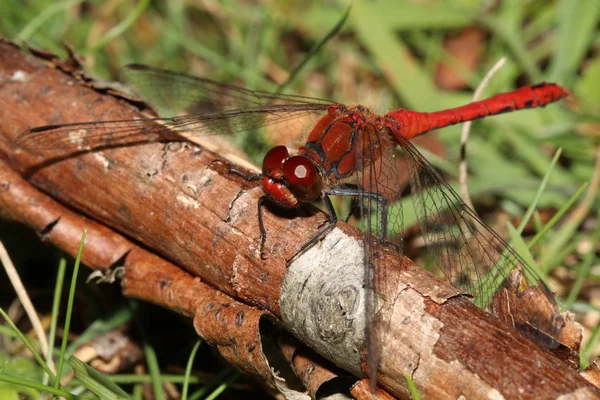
[{"x": 349, "y": 151}]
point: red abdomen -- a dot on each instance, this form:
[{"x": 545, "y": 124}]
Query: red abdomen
[{"x": 411, "y": 123}]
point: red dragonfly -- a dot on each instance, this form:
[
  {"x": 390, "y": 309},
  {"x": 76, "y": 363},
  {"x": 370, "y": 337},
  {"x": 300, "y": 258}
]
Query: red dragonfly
[{"x": 350, "y": 151}]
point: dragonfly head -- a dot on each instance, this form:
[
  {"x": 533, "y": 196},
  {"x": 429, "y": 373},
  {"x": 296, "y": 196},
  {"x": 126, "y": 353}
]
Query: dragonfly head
[{"x": 290, "y": 180}]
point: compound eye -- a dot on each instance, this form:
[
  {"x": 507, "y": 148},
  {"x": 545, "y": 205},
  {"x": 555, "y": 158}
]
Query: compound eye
[
  {"x": 274, "y": 159},
  {"x": 303, "y": 178}
]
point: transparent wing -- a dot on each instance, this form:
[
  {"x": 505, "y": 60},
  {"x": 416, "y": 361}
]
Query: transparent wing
[
  {"x": 477, "y": 260},
  {"x": 85, "y": 136},
  {"x": 177, "y": 91},
  {"x": 377, "y": 176},
  {"x": 473, "y": 257},
  {"x": 222, "y": 109}
]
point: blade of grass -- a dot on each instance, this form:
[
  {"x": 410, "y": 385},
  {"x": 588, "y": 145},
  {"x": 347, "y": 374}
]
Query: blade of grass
[
  {"x": 100, "y": 326},
  {"x": 591, "y": 344},
  {"x": 494, "y": 280},
  {"x": 395, "y": 60},
  {"x": 570, "y": 227},
  {"x": 25, "y": 300},
  {"x": 316, "y": 48},
  {"x": 569, "y": 248},
  {"x": 584, "y": 268},
  {"x": 577, "y": 26},
  {"x": 6, "y": 331},
  {"x": 29, "y": 30},
  {"x": 145, "y": 378},
  {"x": 250, "y": 47},
  {"x": 188, "y": 370},
  {"x": 95, "y": 381},
  {"x": 218, "y": 60},
  {"x": 138, "y": 391},
  {"x": 218, "y": 378},
  {"x": 120, "y": 28},
  {"x": 534, "y": 157},
  {"x": 38, "y": 386},
  {"x": 221, "y": 388},
  {"x": 414, "y": 392},
  {"x": 411, "y": 15},
  {"x": 154, "y": 369},
  {"x": 517, "y": 242},
  {"x": 69, "y": 311},
  {"x": 539, "y": 192},
  {"x": 514, "y": 42},
  {"x": 556, "y": 217},
  {"x": 29, "y": 346},
  {"x": 60, "y": 278},
  {"x": 151, "y": 359}
]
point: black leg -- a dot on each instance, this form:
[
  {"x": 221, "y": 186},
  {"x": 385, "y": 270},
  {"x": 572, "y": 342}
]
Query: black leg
[
  {"x": 353, "y": 205},
  {"x": 261, "y": 202},
  {"x": 375, "y": 196},
  {"x": 249, "y": 178},
  {"x": 353, "y": 208},
  {"x": 329, "y": 225},
  {"x": 330, "y": 211},
  {"x": 333, "y": 216},
  {"x": 261, "y": 226}
]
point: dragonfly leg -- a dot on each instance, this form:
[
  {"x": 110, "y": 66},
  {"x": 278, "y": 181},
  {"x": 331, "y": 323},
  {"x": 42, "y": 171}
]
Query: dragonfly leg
[
  {"x": 261, "y": 202},
  {"x": 263, "y": 231},
  {"x": 329, "y": 225},
  {"x": 354, "y": 207},
  {"x": 354, "y": 193},
  {"x": 261, "y": 225},
  {"x": 249, "y": 178}
]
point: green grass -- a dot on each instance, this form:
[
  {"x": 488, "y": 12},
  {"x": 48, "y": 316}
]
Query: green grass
[
  {"x": 385, "y": 56},
  {"x": 19, "y": 376}
]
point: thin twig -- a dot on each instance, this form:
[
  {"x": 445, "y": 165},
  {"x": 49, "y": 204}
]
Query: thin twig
[
  {"x": 21, "y": 292},
  {"x": 462, "y": 166}
]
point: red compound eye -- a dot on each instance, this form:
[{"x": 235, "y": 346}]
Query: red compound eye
[
  {"x": 274, "y": 160},
  {"x": 303, "y": 178}
]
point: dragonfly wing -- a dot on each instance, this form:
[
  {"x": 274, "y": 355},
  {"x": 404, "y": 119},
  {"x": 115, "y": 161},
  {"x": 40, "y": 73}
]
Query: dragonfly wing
[
  {"x": 473, "y": 257},
  {"x": 70, "y": 138},
  {"x": 176, "y": 92},
  {"x": 219, "y": 109},
  {"x": 477, "y": 260},
  {"x": 378, "y": 178}
]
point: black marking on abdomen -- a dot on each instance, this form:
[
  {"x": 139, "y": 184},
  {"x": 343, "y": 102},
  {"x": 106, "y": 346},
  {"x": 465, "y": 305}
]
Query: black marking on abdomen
[
  {"x": 538, "y": 85},
  {"x": 504, "y": 110}
]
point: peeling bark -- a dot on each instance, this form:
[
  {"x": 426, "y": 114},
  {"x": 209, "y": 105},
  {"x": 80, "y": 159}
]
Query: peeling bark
[{"x": 180, "y": 201}]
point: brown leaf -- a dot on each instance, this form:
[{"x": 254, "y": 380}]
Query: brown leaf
[{"x": 465, "y": 48}]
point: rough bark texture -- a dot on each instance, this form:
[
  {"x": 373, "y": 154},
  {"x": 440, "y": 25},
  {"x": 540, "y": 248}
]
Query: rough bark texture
[{"x": 181, "y": 202}]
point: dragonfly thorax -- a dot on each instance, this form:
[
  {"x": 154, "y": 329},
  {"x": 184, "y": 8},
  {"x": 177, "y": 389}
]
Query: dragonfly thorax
[
  {"x": 290, "y": 180},
  {"x": 344, "y": 141}
]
